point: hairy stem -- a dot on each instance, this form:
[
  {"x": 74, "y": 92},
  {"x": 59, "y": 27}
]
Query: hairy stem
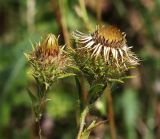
[
  {"x": 78, "y": 101},
  {"x": 110, "y": 112},
  {"x": 82, "y": 122},
  {"x": 40, "y": 131},
  {"x": 81, "y": 97}
]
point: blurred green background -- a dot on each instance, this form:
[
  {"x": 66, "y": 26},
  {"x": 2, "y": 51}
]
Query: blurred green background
[{"x": 136, "y": 103}]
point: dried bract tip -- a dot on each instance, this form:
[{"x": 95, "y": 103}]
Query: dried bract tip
[{"x": 51, "y": 42}]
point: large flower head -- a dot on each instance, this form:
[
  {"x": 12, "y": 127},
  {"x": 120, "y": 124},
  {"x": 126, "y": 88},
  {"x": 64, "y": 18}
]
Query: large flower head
[
  {"x": 108, "y": 42},
  {"x": 49, "y": 61},
  {"x": 103, "y": 55}
]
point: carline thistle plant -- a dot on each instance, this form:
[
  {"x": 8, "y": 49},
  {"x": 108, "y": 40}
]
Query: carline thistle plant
[
  {"x": 49, "y": 62},
  {"x": 104, "y": 55}
]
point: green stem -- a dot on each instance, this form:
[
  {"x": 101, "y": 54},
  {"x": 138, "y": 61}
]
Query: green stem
[
  {"x": 40, "y": 131},
  {"x": 82, "y": 122},
  {"x": 78, "y": 110},
  {"x": 42, "y": 91},
  {"x": 108, "y": 93}
]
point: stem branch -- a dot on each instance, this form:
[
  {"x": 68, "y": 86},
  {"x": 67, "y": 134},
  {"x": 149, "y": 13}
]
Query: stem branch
[{"x": 82, "y": 122}]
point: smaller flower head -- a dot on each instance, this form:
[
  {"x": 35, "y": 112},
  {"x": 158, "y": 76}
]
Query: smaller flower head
[
  {"x": 49, "y": 61},
  {"x": 108, "y": 42}
]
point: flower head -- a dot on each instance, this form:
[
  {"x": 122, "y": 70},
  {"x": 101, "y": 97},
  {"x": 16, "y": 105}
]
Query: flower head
[
  {"x": 49, "y": 61},
  {"x": 108, "y": 42},
  {"x": 103, "y": 55}
]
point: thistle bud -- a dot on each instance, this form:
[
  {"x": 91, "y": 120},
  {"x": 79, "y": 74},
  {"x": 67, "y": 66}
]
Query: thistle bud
[
  {"x": 49, "y": 61},
  {"x": 51, "y": 42}
]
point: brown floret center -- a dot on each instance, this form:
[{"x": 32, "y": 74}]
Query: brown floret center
[{"x": 109, "y": 36}]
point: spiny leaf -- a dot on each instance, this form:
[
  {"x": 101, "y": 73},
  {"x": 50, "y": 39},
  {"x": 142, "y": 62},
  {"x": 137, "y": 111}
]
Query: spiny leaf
[
  {"x": 86, "y": 132},
  {"x": 26, "y": 55},
  {"x": 46, "y": 85},
  {"x": 95, "y": 92},
  {"x": 128, "y": 77},
  {"x": 90, "y": 70},
  {"x": 66, "y": 75},
  {"x": 75, "y": 68},
  {"x": 131, "y": 67},
  {"x": 96, "y": 88},
  {"x": 33, "y": 48},
  {"x": 115, "y": 80},
  {"x": 33, "y": 97}
]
